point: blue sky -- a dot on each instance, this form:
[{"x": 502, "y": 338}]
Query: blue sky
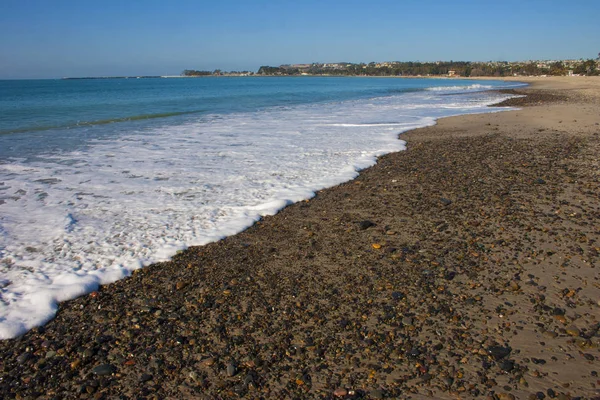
[{"x": 56, "y": 38}]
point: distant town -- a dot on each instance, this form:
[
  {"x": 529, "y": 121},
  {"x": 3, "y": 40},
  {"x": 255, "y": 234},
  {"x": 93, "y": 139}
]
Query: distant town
[
  {"x": 439, "y": 68},
  {"x": 452, "y": 69}
]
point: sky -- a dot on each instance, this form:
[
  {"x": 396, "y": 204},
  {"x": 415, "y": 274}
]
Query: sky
[{"x": 58, "y": 38}]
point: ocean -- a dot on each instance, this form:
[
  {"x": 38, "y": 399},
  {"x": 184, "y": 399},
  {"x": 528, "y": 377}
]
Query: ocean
[{"x": 101, "y": 177}]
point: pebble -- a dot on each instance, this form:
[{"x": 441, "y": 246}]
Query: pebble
[
  {"x": 550, "y": 334},
  {"x": 104, "y": 369},
  {"x": 366, "y": 224},
  {"x": 505, "y": 396},
  {"x": 573, "y": 331},
  {"x": 180, "y": 285},
  {"x": 231, "y": 369},
  {"x": 498, "y": 352},
  {"x": 24, "y": 357},
  {"x": 340, "y": 392}
]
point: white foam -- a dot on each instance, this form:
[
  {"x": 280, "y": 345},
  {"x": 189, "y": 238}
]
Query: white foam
[
  {"x": 461, "y": 88},
  {"x": 73, "y": 221}
]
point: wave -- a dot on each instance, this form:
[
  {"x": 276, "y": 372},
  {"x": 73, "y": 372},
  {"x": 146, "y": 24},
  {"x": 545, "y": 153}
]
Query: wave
[
  {"x": 473, "y": 87},
  {"x": 79, "y": 124}
]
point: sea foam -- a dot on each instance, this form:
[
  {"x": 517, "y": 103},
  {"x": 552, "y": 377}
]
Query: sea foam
[{"x": 75, "y": 220}]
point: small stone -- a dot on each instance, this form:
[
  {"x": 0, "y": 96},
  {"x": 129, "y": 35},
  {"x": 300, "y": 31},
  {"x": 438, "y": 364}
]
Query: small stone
[
  {"x": 550, "y": 334},
  {"x": 231, "y": 369},
  {"x": 366, "y": 224},
  {"x": 572, "y": 331},
  {"x": 104, "y": 369},
  {"x": 24, "y": 357},
  {"x": 397, "y": 295},
  {"x": 50, "y": 354},
  {"x": 340, "y": 392},
  {"x": 145, "y": 377},
  {"x": 539, "y": 181},
  {"x": 505, "y": 396},
  {"x": 507, "y": 365},
  {"x": 561, "y": 319},
  {"x": 588, "y": 356},
  {"x": 180, "y": 285},
  {"x": 445, "y": 201},
  {"x": 498, "y": 352}
]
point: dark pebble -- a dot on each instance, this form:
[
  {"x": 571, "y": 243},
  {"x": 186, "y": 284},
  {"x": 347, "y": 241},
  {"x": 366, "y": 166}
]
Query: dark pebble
[
  {"x": 445, "y": 201},
  {"x": 365, "y": 224},
  {"x": 538, "y": 361},
  {"x": 539, "y": 181},
  {"x": 24, "y": 357},
  {"x": 145, "y": 377},
  {"x": 558, "y": 311},
  {"x": 551, "y": 393},
  {"x": 414, "y": 352},
  {"x": 507, "y": 365},
  {"x": 231, "y": 369},
  {"x": 588, "y": 356},
  {"x": 104, "y": 369},
  {"x": 498, "y": 352},
  {"x": 397, "y": 295}
]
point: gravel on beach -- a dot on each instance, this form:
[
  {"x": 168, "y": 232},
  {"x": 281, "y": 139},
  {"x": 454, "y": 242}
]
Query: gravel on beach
[{"x": 464, "y": 267}]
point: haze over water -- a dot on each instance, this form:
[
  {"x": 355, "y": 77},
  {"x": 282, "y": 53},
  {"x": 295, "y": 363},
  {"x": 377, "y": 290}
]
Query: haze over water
[{"x": 101, "y": 177}]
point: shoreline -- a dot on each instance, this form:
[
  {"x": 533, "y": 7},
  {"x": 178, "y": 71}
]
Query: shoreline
[{"x": 395, "y": 284}]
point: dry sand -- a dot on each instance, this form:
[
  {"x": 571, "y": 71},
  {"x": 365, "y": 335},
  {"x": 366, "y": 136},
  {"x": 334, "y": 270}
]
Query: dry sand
[{"x": 464, "y": 267}]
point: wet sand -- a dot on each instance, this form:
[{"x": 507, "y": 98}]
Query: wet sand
[{"x": 464, "y": 267}]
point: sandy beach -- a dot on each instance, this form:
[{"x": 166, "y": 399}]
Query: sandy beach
[{"x": 464, "y": 267}]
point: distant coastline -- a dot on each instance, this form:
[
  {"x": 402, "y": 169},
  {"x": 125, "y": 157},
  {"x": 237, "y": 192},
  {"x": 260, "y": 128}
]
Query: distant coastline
[{"x": 405, "y": 69}]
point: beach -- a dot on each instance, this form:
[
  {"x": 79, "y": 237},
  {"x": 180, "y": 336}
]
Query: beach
[{"x": 463, "y": 267}]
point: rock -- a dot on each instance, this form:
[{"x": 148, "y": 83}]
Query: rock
[
  {"x": 180, "y": 285},
  {"x": 397, "y": 295},
  {"x": 366, "y": 224},
  {"x": 450, "y": 275},
  {"x": 550, "y": 334},
  {"x": 24, "y": 357},
  {"x": 572, "y": 331},
  {"x": 498, "y": 352},
  {"x": 104, "y": 369},
  {"x": 340, "y": 392},
  {"x": 505, "y": 396},
  {"x": 231, "y": 369},
  {"x": 539, "y": 181},
  {"x": 588, "y": 356},
  {"x": 445, "y": 201},
  {"x": 507, "y": 365}
]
